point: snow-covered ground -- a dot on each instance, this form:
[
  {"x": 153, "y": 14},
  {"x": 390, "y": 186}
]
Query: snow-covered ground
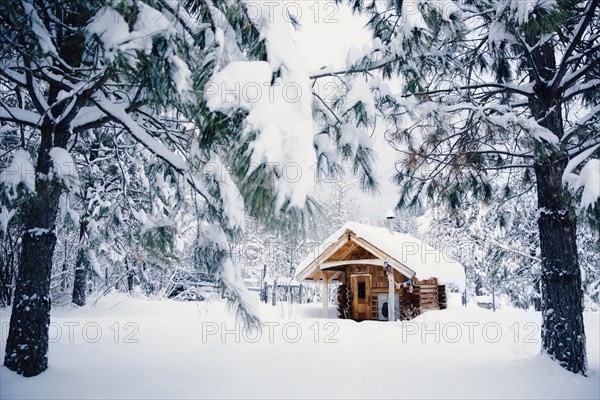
[{"x": 139, "y": 348}]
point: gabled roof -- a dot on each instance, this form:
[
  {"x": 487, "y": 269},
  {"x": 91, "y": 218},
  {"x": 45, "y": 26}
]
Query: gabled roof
[{"x": 407, "y": 254}]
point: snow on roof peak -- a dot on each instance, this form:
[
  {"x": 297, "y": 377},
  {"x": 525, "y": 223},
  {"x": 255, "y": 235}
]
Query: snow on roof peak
[{"x": 418, "y": 256}]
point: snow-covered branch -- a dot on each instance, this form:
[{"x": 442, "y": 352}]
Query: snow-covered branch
[{"x": 118, "y": 113}]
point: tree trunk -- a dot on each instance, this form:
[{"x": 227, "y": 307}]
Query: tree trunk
[
  {"x": 81, "y": 268},
  {"x": 274, "y": 299},
  {"x": 263, "y": 285},
  {"x": 27, "y": 342},
  {"x": 79, "y": 285},
  {"x": 563, "y": 336},
  {"x": 129, "y": 277},
  {"x": 63, "y": 284}
]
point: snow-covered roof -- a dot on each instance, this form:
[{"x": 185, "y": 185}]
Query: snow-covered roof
[{"x": 411, "y": 253}]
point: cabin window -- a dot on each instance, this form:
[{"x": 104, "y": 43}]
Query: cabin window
[{"x": 362, "y": 290}]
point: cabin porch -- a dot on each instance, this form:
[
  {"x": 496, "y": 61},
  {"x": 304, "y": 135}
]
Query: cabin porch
[{"x": 364, "y": 292}]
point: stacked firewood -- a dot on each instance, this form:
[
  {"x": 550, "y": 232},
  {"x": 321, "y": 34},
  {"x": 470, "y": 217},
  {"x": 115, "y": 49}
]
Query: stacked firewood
[
  {"x": 409, "y": 303},
  {"x": 408, "y": 312},
  {"x": 428, "y": 297},
  {"x": 442, "y": 297}
]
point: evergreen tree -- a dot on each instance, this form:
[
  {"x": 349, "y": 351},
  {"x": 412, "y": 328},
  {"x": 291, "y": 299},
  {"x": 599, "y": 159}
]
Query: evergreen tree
[
  {"x": 498, "y": 92},
  {"x": 154, "y": 78},
  {"x": 67, "y": 61}
]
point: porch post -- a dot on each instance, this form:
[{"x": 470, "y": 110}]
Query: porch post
[
  {"x": 325, "y": 295},
  {"x": 391, "y": 290}
]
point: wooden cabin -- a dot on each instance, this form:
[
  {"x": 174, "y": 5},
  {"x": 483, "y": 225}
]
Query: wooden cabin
[{"x": 371, "y": 265}]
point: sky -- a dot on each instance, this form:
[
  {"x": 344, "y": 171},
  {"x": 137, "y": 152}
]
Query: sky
[{"x": 328, "y": 32}]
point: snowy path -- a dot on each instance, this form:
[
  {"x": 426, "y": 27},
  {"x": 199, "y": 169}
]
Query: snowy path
[{"x": 164, "y": 349}]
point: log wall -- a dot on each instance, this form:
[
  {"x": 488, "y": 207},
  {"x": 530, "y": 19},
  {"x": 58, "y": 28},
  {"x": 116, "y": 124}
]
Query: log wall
[{"x": 423, "y": 295}]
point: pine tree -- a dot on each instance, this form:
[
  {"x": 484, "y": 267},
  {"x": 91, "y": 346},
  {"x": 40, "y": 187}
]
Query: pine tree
[
  {"x": 68, "y": 74},
  {"x": 154, "y": 80},
  {"x": 45, "y": 57},
  {"x": 499, "y": 92}
]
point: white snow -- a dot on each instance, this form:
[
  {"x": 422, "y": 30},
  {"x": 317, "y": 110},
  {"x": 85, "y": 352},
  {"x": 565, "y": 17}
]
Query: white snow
[
  {"x": 412, "y": 19},
  {"x": 355, "y": 54},
  {"x": 537, "y": 131},
  {"x": 67, "y": 213},
  {"x": 118, "y": 112},
  {"x": 238, "y": 85},
  {"x": 5, "y": 217},
  {"x": 86, "y": 115},
  {"x": 39, "y": 29},
  {"x": 497, "y": 34},
  {"x": 181, "y": 74},
  {"x": 280, "y": 116},
  {"x": 424, "y": 222},
  {"x": 523, "y": 10},
  {"x": 360, "y": 93},
  {"x": 354, "y": 137},
  {"x": 20, "y": 170},
  {"x": 588, "y": 178},
  {"x": 111, "y": 29},
  {"x": 123, "y": 347},
  {"x": 225, "y": 37},
  {"x": 116, "y": 38},
  {"x": 149, "y": 22},
  {"x": 228, "y": 275},
  {"x": 326, "y": 147},
  {"x": 64, "y": 167},
  {"x": 233, "y": 202},
  {"x": 277, "y": 96},
  {"x": 423, "y": 259}
]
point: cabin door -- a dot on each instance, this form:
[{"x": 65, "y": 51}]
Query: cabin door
[{"x": 361, "y": 302}]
